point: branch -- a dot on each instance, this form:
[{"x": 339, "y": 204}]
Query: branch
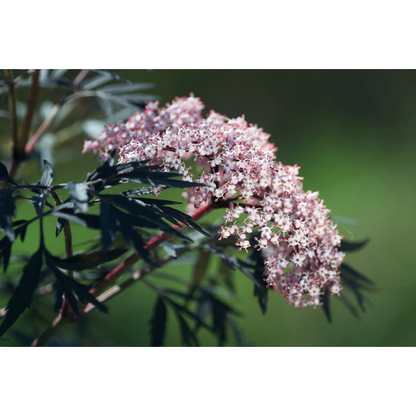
[
  {"x": 66, "y": 314},
  {"x": 45, "y": 336},
  {"x": 13, "y": 114},
  {"x": 42, "y": 128},
  {"x": 115, "y": 290},
  {"x": 151, "y": 244},
  {"x": 31, "y": 107}
]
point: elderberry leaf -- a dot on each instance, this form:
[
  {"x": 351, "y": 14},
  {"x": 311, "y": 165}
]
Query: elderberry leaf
[
  {"x": 158, "y": 323},
  {"x": 348, "y": 246},
  {"x": 4, "y": 175},
  {"x": 324, "y": 299},
  {"x": 108, "y": 224},
  {"x": 79, "y": 195},
  {"x": 188, "y": 337},
  {"x": 47, "y": 175},
  {"x": 7, "y": 211},
  {"x": 23, "y": 294},
  {"x": 89, "y": 260},
  {"x": 71, "y": 287}
]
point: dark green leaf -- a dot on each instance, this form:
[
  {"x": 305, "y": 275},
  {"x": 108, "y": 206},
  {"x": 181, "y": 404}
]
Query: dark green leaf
[
  {"x": 158, "y": 323},
  {"x": 352, "y": 246},
  {"x": 260, "y": 290},
  {"x": 199, "y": 270},
  {"x": 38, "y": 202},
  {"x": 172, "y": 249},
  {"x": 68, "y": 205},
  {"x": 108, "y": 224},
  {"x": 131, "y": 236},
  {"x": 4, "y": 175},
  {"x": 325, "y": 300},
  {"x": 136, "y": 192},
  {"x": 110, "y": 75},
  {"x": 5, "y": 251},
  {"x": 96, "y": 81},
  {"x": 185, "y": 218},
  {"x": 349, "y": 305},
  {"x": 188, "y": 337},
  {"x": 233, "y": 263},
  {"x": 65, "y": 287},
  {"x": 349, "y": 274},
  {"x": 139, "y": 210},
  {"x": 86, "y": 220},
  {"x": 47, "y": 175},
  {"x": 88, "y": 260},
  {"x": 79, "y": 195},
  {"x": 357, "y": 283},
  {"x": 7, "y": 211},
  {"x": 23, "y": 294},
  {"x": 71, "y": 286}
]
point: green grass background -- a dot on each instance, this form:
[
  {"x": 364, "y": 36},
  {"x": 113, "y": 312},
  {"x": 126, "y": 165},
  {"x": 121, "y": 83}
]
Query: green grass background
[{"x": 353, "y": 133}]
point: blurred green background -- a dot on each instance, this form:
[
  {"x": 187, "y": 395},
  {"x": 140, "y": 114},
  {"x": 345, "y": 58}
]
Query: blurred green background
[{"x": 353, "y": 134}]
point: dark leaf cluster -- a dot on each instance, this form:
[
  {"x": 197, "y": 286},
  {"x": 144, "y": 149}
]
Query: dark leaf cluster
[{"x": 126, "y": 214}]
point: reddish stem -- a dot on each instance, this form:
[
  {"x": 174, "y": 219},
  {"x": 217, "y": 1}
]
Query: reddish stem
[
  {"x": 126, "y": 264},
  {"x": 151, "y": 244}
]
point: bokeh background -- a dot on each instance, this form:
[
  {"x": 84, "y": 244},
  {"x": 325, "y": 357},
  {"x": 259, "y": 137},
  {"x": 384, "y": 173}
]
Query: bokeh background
[{"x": 354, "y": 135}]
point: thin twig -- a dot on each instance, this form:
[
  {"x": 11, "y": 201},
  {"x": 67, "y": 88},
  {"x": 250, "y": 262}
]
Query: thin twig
[
  {"x": 13, "y": 117},
  {"x": 45, "y": 336},
  {"x": 12, "y": 105},
  {"x": 31, "y": 107},
  {"x": 80, "y": 77},
  {"x": 66, "y": 314},
  {"x": 42, "y": 128},
  {"x": 136, "y": 276},
  {"x": 151, "y": 244}
]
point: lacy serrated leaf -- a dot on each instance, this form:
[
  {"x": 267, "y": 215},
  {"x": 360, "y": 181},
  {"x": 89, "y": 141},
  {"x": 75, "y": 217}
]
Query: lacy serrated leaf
[
  {"x": 260, "y": 290},
  {"x": 188, "y": 337},
  {"x": 108, "y": 225},
  {"x": 71, "y": 287},
  {"x": 23, "y": 294},
  {"x": 138, "y": 210},
  {"x": 349, "y": 274},
  {"x": 79, "y": 194},
  {"x": 136, "y": 192},
  {"x": 357, "y": 283},
  {"x": 199, "y": 270},
  {"x": 70, "y": 206},
  {"x": 88, "y": 260},
  {"x": 47, "y": 175},
  {"x": 184, "y": 218},
  {"x": 7, "y": 211},
  {"x": 131, "y": 236},
  {"x": 172, "y": 249},
  {"x": 86, "y": 220},
  {"x": 233, "y": 263},
  {"x": 38, "y": 202},
  {"x": 158, "y": 323},
  {"x": 324, "y": 299},
  {"x": 348, "y": 246},
  {"x": 4, "y": 175},
  {"x": 5, "y": 251}
]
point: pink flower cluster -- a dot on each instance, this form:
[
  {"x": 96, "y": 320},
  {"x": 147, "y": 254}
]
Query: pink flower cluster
[{"x": 237, "y": 162}]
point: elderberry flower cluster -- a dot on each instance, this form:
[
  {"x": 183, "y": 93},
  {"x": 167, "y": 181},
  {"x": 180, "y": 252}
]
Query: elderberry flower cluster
[{"x": 237, "y": 162}]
